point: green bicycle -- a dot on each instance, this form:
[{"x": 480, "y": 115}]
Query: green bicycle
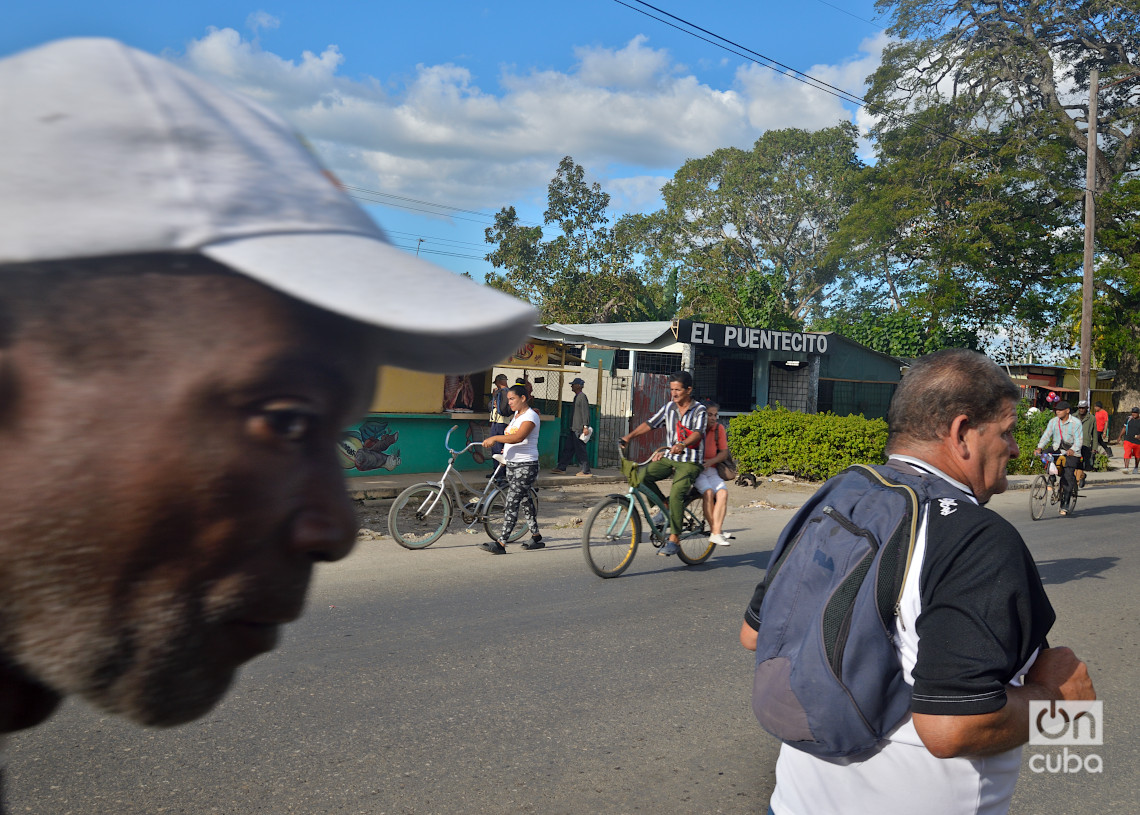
[{"x": 613, "y": 527}]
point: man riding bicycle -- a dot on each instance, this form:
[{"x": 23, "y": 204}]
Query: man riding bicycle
[{"x": 1064, "y": 433}]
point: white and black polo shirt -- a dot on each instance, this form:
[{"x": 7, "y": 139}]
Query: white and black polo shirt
[{"x": 679, "y": 427}]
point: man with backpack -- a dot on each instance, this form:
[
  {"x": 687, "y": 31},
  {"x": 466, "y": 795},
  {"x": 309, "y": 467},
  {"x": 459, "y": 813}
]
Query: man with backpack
[{"x": 942, "y": 646}]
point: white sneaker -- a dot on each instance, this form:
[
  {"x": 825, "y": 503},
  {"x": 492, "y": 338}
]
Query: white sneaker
[{"x": 719, "y": 539}]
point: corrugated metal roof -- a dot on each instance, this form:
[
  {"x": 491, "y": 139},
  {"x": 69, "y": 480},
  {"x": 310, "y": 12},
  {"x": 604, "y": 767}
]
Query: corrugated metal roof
[{"x": 619, "y": 334}]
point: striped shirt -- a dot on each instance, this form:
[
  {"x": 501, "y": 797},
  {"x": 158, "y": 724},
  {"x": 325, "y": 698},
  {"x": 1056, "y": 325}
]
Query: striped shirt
[{"x": 679, "y": 427}]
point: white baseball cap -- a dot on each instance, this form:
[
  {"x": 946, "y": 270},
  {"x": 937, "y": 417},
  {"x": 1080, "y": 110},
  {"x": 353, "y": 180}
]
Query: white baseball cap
[{"x": 106, "y": 150}]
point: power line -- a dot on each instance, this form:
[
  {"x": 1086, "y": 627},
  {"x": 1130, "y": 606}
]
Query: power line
[
  {"x": 764, "y": 61},
  {"x": 750, "y": 55},
  {"x": 849, "y": 14},
  {"x": 364, "y": 191},
  {"x": 418, "y": 235},
  {"x": 772, "y": 64},
  {"x": 423, "y": 251},
  {"x": 364, "y": 194}
]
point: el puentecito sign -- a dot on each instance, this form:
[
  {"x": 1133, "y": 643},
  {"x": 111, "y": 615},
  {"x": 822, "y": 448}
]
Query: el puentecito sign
[{"x": 758, "y": 339}]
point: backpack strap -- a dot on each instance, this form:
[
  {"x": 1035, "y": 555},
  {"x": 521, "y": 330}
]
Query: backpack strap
[{"x": 890, "y": 603}]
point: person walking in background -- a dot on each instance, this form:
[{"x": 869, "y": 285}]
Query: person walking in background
[
  {"x": 1130, "y": 435},
  {"x": 709, "y": 483},
  {"x": 1088, "y": 431},
  {"x": 1102, "y": 429},
  {"x": 499, "y": 410},
  {"x": 684, "y": 422},
  {"x": 520, "y": 449},
  {"x": 575, "y": 446}
]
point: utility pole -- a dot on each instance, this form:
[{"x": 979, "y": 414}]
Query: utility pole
[
  {"x": 419, "y": 241},
  {"x": 1090, "y": 231}
]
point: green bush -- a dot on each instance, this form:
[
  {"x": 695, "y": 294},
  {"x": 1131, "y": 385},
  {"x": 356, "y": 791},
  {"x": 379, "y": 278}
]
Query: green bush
[{"x": 815, "y": 446}]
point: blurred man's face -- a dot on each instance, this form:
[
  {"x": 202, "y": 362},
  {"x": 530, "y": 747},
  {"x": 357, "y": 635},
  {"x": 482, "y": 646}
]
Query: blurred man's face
[
  {"x": 160, "y": 517},
  {"x": 991, "y": 447}
]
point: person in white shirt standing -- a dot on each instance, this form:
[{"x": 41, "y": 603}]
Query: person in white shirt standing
[{"x": 520, "y": 449}]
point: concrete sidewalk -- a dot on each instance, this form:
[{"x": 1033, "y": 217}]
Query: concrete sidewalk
[{"x": 372, "y": 488}]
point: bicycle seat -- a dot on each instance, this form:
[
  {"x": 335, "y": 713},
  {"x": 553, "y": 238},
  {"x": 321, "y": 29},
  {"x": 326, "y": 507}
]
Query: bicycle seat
[{"x": 499, "y": 458}]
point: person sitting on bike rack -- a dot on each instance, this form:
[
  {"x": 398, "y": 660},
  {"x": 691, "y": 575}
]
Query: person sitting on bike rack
[
  {"x": 684, "y": 420},
  {"x": 520, "y": 451},
  {"x": 1064, "y": 434}
]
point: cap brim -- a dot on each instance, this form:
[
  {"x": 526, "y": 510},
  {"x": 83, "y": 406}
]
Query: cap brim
[{"x": 429, "y": 319}]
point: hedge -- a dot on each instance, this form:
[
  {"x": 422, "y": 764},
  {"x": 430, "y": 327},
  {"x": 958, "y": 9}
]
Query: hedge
[{"x": 816, "y": 446}]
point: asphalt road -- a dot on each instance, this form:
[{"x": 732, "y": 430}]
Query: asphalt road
[{"x": 452, "y": 681}]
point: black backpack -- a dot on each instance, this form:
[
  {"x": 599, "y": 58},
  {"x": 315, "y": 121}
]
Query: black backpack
[{"x": 828, "y": 678}]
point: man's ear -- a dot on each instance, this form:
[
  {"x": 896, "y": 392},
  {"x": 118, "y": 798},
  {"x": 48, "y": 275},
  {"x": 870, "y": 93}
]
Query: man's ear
[{"x": 956, "y": 438}]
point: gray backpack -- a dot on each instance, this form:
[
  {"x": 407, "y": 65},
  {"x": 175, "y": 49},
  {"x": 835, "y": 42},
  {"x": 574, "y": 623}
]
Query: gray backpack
[{"x": 828, "y": 679}]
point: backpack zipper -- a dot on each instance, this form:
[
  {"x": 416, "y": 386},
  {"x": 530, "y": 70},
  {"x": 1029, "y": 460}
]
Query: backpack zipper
[{"x": 913, "y": 498}]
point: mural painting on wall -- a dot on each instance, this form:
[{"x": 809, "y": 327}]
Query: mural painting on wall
[{"x": 368, "y": 446}]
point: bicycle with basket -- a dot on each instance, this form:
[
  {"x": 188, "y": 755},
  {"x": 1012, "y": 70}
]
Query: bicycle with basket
[
  {"x": 1049, "y": 489},
  {"x": 422, "y": 512},
  {"x": 612, "y": 529}
]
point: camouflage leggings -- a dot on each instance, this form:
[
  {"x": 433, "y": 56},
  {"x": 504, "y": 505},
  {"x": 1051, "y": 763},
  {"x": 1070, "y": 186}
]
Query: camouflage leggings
[{"x": 520, "y": 478}]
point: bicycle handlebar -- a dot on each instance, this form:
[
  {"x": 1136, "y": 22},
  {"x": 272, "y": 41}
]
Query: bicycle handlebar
[
  {"x": 621, "y": 452},
  {"x": 447, "y": 443}
]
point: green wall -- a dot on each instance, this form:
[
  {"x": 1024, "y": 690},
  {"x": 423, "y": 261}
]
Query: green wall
[{"x": 413, "y": 443}]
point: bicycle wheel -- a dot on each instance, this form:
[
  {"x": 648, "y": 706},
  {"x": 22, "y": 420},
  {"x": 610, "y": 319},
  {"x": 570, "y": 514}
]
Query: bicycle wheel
[
  {"x": 1073, "y": 501},
  {"x": 419, "y": 515},
  {"x": 695, "y": 546},
  {"x": 493, "y": 517},
  {"x": 1038, "y": 493},
  {"x": 610, "y": 536}
]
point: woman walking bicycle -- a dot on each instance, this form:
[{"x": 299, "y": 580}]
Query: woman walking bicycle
[{"x": 520, "y": 452}]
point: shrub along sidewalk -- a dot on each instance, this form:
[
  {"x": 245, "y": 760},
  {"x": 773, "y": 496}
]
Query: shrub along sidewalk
[{"x": 816, "y": 446}]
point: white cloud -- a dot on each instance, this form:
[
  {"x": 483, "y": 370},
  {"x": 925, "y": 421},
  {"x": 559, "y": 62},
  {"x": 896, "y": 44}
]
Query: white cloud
[
  {"x": 442, "y": 136},
  {"x": 261, "y": 20}
]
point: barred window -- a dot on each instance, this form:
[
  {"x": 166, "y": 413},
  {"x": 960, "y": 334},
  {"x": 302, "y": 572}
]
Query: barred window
[{"x": 657, "y": 362}]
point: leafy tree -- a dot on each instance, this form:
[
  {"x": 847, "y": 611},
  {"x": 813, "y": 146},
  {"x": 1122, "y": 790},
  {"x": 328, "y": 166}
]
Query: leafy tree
[
  {"x": 1117, "y": 333},
  {"x": 998, "y": 90},
  {"x": 586, "y": 272},
  {"x": 956, "y": 231},
  {"x": 898, "y": 333},
  {"x": 747, "y": 232}
]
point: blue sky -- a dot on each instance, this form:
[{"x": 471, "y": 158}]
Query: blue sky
[{"x": 461, "y": 108}]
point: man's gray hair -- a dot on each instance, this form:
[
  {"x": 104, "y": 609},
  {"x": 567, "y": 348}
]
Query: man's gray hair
[{"x": 941, "y": 386}]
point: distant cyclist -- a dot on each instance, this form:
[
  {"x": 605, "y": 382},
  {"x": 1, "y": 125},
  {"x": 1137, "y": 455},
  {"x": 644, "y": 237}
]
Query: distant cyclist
[{"x": 1064, "y": 433}]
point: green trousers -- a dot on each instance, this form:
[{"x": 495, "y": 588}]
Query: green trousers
[{"x": 683, "y": 473}]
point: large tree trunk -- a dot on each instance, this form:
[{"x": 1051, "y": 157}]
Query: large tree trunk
[{"x": 1126, "y": 386}]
